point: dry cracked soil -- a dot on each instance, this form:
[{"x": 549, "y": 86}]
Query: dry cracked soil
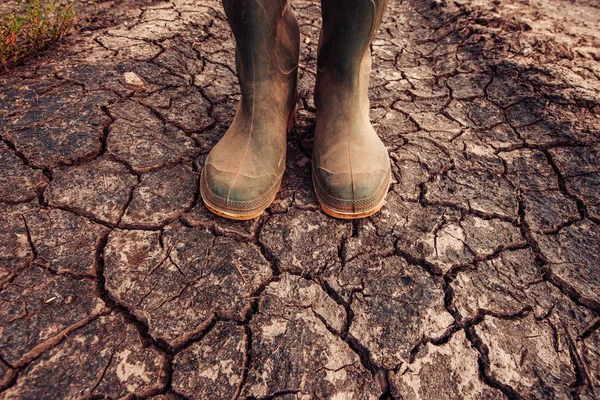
[{"x": 479, "y": 279}]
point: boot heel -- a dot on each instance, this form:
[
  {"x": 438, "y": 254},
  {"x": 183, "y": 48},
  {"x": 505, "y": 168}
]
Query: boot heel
[{"x": 291, "y": 120}]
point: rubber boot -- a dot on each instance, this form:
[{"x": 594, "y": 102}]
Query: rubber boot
[
  {"x": 243, "y": 172},
  {"x": 350, "y": 165}
]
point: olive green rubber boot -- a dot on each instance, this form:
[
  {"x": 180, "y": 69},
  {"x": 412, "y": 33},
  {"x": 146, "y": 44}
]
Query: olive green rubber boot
[
  {"x": 243, "y": 172},
  {"x": 350, "y": 165}
]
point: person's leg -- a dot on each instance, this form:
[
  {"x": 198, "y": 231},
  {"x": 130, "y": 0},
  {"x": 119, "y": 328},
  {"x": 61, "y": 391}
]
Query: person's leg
[
  {"x": 351, "y": 167},
  {"x": 243, "y": 172}
]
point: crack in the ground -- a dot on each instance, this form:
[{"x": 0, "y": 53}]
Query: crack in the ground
[
  {"x": 548, "y": 275},
  {"x": 484, "y": 365},
  {"x": 445, "y": 41},
  {"x": 142, "y": 329}
]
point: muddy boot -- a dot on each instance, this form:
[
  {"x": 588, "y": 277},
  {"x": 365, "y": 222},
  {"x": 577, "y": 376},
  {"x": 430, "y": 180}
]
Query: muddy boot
[
  {"x": 243, "y": 172},
  {"x": 350, "y": 165}
]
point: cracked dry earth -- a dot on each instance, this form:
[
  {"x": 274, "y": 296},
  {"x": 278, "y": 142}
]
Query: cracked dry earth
[{"x": 479, "y": 279}]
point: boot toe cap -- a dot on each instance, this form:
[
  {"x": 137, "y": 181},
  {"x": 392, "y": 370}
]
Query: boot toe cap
[
  {"x": 347, "y": 192},
  {"x": 237, "y": 193}
]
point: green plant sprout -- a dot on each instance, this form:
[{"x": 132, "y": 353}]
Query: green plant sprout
[{"x": 31, "y": 26}]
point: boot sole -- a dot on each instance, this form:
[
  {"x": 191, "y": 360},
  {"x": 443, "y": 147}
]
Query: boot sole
[
  {"x": 239, "y": 217},
  {"x": 354, "y": 215},
  {"x": 250, "y": 214}
]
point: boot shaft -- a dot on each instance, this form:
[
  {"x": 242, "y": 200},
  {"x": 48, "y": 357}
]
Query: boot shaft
[
  {"x": 349, "y": 27},
  {"x": 344, "y": 55},
  {"x": 267, "y": 49}
]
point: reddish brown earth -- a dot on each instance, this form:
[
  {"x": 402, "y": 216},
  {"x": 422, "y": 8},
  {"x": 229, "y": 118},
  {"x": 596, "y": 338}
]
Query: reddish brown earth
[{"x": 480, "y": 277}]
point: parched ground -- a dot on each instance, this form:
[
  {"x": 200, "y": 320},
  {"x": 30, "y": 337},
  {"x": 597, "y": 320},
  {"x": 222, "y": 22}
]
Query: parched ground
[{"x": 480, "y": 278}]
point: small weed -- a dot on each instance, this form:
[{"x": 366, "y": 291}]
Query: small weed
[{"x": 31, "y": 26}]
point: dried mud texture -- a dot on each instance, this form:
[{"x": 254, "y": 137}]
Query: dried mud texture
[
  {"x": 104, "y": 359},
  {"x": 38, "y": 307},
  {"x": 212, "y": 368},
  {"x": 301, "y": 242},
  {"x": 176, "y": 280},
  {"x": 394, "y": 305},
  {"x": 56, "y": 126},
  {"x": 140, "y": 139},
  {"x": 18, "y": 182},
  {"x": 64, "y": 242},
  {"x": 527, "y": 359},
  {"x": 437, "y": 373},
  {"x": 99, "y": 190},
  {"x": 479, "y": 278},
  {"x": 161, "y": 197},
  {"x": 292, "y": 312},
  {"x": 16, "y": 251},
  {"x": 573, "y": 258}
]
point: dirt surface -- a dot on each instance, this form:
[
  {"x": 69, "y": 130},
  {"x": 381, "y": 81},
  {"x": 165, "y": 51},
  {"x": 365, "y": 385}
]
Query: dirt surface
[{"x": 480, "y": 277}]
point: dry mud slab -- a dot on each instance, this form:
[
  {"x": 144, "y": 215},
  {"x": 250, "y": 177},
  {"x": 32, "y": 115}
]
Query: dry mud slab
[{"x": 480, "y": 278}]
